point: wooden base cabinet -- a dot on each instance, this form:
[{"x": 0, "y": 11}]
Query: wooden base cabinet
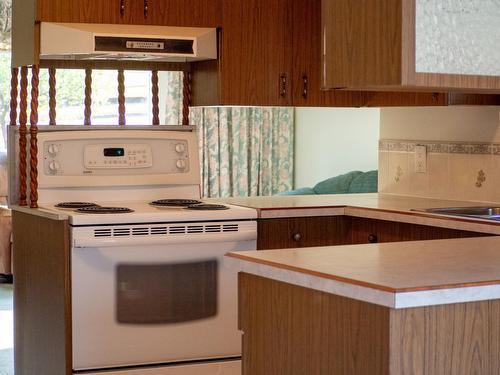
[
  {"x": 292, "y": 330},
  {"x": 42, "y": 296},
  {"x": 296, "y": 232}
]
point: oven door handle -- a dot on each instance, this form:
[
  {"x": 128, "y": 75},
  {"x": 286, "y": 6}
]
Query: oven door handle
[{"x": 93, "y": 242}]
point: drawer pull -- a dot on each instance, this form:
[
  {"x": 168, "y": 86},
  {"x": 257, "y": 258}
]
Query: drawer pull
[
  {"x": 297, "y": 237},
  {"x": 372, "y": 238}
]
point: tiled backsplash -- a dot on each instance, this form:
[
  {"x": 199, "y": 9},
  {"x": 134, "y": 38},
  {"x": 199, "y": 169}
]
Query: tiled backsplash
[{"x": 455, "y": 170}]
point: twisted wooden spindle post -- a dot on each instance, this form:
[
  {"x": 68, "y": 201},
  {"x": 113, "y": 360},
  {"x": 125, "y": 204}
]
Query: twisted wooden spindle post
[
  {"x": 155, "y": 98},
  {"x": 52, "y": 96},
  {"x": 121, "y": 97},
  {"x": 23, "y": 119},
  {"x": 186, "y": 98},
  {"x": 13, "y": 96},
  {"x": 35, "y": 70},
  {"x": 88, "y": 97}
]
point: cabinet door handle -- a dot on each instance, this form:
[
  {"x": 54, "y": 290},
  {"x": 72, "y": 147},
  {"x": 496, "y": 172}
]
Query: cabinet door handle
[
  {"x": 122, "y": 8},
  {"x": 305, "y": 86},
  {"x": 372, "y": 238},
  {"x": 297, "y": 237},
  {"x": 283, "y": 85},
  {"x": 146, "y": 8}
]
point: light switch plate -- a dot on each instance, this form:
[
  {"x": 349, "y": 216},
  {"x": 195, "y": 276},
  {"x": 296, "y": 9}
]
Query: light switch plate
[{"x": 420, "y": 159}]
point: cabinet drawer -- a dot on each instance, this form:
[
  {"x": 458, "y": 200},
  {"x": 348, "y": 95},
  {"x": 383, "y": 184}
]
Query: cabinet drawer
[{"x": 301, "y": 232}]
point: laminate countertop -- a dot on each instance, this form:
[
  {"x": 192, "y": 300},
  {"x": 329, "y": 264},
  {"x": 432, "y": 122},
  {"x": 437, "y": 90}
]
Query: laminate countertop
[
  {"x": 396, "y": 275},
  {"x": 373, "y": 206}
]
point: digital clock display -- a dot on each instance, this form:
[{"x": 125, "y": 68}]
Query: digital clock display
[{"x": 117, "y": 151}]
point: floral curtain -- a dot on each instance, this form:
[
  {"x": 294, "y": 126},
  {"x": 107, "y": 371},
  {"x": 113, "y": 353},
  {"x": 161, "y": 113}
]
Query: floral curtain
[
  {"x": 245, "y": 151},
  {"x": 173, "y": 85}
]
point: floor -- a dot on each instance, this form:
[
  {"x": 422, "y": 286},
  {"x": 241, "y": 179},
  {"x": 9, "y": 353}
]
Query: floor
[{"x": 6, "y": 330}]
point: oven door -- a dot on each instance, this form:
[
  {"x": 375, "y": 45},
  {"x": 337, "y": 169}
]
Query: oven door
[{"x": 150, "y": 299}]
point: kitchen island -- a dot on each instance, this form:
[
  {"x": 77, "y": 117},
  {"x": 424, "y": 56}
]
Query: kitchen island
[{"x": 426, "y": 307}]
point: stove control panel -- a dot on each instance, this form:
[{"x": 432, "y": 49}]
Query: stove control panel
[
  {"x": 117, "y": 156},
  {"x": 109, "y": 158}
]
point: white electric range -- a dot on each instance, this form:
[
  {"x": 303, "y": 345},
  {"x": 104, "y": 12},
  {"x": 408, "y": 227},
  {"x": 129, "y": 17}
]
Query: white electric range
[{"x": 150, "y": 293}]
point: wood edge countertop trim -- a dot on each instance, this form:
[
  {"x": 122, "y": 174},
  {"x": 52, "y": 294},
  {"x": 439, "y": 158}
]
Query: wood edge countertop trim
[{"x": 365, "y": 284}]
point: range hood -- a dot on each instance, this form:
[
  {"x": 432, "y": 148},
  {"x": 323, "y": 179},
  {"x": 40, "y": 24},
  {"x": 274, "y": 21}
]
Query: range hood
[{"x": 78, "y": 41}]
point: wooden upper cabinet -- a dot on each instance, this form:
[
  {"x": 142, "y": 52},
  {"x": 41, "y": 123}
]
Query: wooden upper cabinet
[
  {"x": 255, "y": 53},
  {"x": 87, "y": 11},
  {"x": 411, "y": 45},
  {"x": 306, "y": 78},
  {"x": 188, "y": 13}
]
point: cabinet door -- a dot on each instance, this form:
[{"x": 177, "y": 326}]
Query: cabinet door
[
  {"x": 192, "y": 13},
  {"x": 86, "y": 11},
  {"x": 307, "y": 55},
  {"x": 373, "y": 231},
  {"x": 306, "y": 79},
  {"x": 255, "y": 60},
  {"x": 187, "y": 13},
  {"x": 301, "y": 232}
]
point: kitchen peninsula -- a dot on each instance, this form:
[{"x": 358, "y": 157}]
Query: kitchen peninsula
[{"x": 418, "y": 307}]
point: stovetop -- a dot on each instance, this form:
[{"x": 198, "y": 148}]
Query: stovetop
[{"x": 126, "y": 212}]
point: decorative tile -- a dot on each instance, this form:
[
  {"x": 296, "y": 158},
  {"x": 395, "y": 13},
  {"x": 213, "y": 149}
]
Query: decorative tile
[
  {"x": 481, "y": 178},
  {"x": 480, "y": 148},
  {"x": 440, "y": 147},
  {"x": 398, "y": 146},
  {"x": 459, "y": 148},
  {"x": 437, "y": 148},
  {"x": 455, "y": 170}
]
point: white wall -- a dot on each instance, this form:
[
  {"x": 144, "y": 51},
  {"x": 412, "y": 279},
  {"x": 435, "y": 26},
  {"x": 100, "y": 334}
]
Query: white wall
[
  {"x": 332, "y": 141},
  {"x": 469, "y": 124}
]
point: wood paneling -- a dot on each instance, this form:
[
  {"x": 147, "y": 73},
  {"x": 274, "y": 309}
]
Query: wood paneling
[
  {"x": 302, "y": 232},
  {"x": 448, "y": 339},
  {"x": 42, "y": 296},
  {"x": 494, "y": 319},
  {"x": 408, "y": 341},
  {"x": 295, "y": 331}
]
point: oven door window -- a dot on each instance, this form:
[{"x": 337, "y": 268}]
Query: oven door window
[{"x": 166, "y": 293}]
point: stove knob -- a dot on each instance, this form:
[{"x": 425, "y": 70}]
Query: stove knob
[
  {"x": 180, "y": 148},
  {"x": 53, "y": 149},
  {"x": 54, "y": 166},
  {"x": 181, "y": 164}
]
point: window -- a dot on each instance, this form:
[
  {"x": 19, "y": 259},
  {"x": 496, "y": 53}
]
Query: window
[{"x": 70, "y": 92}]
